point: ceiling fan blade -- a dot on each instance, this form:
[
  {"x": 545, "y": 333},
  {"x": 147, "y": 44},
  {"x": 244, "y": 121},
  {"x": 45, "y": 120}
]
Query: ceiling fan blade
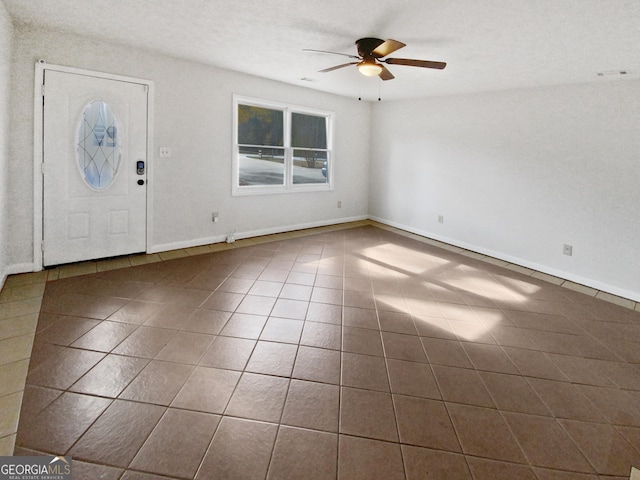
[
  {"x": 386, "y": 74},
  {"x": 332, "y": 53},
  {"x": 415, "y": 63},
  {"x": 387, "y": 47},
  {"x": 330, "y": 69}
]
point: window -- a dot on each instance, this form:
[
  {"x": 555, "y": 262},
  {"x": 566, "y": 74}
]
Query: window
[{"x": 280, "y": 148}]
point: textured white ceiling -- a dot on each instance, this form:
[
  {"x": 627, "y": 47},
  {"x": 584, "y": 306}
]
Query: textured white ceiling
[{"x": 488, "y": 44}]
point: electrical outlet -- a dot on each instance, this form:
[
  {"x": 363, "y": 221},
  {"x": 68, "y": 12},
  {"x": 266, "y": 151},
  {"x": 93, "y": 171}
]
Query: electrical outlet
[
  {"x": 567, "y": 250},
  {"x": 440, "y": 218},
  {"x": 339, "y": 203},
  {"x": 164, "y": 152}
]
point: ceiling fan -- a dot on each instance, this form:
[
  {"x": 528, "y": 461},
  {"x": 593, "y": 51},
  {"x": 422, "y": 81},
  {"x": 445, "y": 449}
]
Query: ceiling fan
[{"x": 370, "y": 55}]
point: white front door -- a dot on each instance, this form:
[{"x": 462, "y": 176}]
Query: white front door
[{"x": 95, "y": 160}]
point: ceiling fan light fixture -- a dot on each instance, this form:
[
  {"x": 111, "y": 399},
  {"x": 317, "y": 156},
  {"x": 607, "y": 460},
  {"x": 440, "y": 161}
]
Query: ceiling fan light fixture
[
  {"x": 369, "y": 60},
  {"x": 369, "y": 68}
]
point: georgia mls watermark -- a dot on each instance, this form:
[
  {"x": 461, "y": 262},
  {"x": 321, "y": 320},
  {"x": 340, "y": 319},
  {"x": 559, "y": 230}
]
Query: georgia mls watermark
[{"x": 35, "y": 468}]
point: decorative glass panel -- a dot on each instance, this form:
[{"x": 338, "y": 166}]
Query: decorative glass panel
[{"x": 98, "y": 145}]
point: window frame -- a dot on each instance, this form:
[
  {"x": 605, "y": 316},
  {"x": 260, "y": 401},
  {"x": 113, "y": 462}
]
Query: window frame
[{"x": 288, "y": 186}]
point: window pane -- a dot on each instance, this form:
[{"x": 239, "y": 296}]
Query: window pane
[
  {"x": 308, "y": 131},
  {"x": 260, "y": 126},
  {"x": 260, "y": 166},
  {"x": 310, "y": 166}
]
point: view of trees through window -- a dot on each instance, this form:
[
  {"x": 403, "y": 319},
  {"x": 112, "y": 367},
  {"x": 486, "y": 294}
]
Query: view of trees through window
[
  {"x": 309, "y": 138},
  {"x": 260, "y": 132},
  {"x": 260, "y": 126},
  {"x": 272, "y": 142}
]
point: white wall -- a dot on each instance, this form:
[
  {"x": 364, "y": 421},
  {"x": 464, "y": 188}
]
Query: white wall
[
  {"x": 193, "y": 116},
  {"x": 517, "y": 174},
  {"x": 6, "y": 39}
]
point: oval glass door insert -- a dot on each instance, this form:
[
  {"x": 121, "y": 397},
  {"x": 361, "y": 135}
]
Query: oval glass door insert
[{"x": 98, "y": 145}]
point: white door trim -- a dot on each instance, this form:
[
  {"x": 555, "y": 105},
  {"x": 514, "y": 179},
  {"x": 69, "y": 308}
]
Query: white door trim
[{"x": 38, "y": 152}]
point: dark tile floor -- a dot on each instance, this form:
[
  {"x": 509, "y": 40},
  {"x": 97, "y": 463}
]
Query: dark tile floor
[{"x": 353, "y": 354}]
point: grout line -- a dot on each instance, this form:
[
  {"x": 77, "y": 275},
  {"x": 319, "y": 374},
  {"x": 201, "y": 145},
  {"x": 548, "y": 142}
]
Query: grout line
[
  {"x": 386, "y": 365},
  {"x": 16, "y": 282},
  {"x": 340, "y": 357},
  {"x": 215, "y": 430}
]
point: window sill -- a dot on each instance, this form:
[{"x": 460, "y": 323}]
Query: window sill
[{"x": 277, "y": 190}]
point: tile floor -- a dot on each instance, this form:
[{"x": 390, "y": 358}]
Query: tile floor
[{"x": 352, "y": 354}]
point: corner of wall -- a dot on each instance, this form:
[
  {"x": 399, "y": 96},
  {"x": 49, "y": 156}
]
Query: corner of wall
[{"x": 6, "y": 47}]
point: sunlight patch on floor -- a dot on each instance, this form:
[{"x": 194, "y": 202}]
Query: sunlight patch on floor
[
  {"x": 472, "y": 330},
  {"x": 496, "y": 291},
  {"x": 391, "y": 303},
  {"x": 405, "y": 261}
]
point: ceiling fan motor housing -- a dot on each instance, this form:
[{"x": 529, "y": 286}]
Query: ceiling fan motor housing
[{"x": 367, "y": 45}]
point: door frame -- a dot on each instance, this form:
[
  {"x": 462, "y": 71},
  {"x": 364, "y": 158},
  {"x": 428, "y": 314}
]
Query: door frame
[{"x": 38, "y": 151}]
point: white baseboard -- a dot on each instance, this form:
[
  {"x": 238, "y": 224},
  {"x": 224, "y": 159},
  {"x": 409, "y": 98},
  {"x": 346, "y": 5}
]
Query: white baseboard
[
  {"x": 163, "y": 247},
  {"x": 589, "y": 282},
  {"x": 595, "y": 284},
  {"x": 15, "y": 269},
  {"x": 20, "y": 268}
]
